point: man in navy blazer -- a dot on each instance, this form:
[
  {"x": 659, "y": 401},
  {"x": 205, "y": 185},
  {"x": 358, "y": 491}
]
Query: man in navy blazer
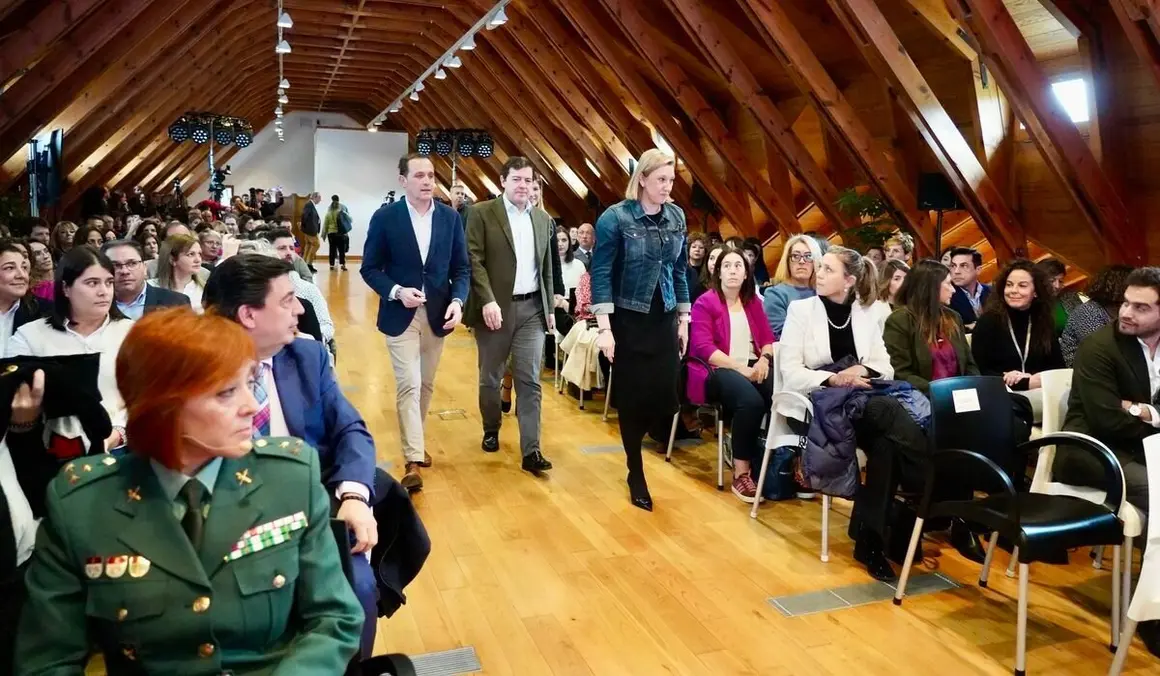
[
  {"x": 297, "y": 385},
  {"x": 133, "y": 296},
  {"x": 970, "y": 293},
  {"x": 415, "y": 258}
]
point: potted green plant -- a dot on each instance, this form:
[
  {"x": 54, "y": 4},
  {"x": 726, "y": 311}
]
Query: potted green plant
[{"x": 876, "y": 223}]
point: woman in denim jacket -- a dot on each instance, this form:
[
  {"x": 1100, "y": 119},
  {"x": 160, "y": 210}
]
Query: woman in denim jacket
[{"x": 639, "y": 288}]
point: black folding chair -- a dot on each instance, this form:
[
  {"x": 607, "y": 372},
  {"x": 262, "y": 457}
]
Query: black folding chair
[{"x": 973, "y": 443}]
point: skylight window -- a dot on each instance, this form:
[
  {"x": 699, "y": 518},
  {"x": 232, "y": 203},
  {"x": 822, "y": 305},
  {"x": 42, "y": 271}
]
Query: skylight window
[{"x": 1073, "y": 96}]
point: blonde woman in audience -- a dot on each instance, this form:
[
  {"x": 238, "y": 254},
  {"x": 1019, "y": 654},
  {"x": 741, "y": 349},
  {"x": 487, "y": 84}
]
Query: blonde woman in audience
[
  {"x": 833, "y": 340},
  {"x": 899, "y": 247},
  {"x": 84, "y": 320},
  {"x": 179, "y": 268},
  {"x": 793, "y": 279},
  {"x": 62, "y": 238}
]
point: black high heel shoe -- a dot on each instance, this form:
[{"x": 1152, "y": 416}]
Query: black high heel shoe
[
  {"x": 868, "y": 552},
  {"x": 638, "y": 493},
  {"x": 966, "y": 543}
]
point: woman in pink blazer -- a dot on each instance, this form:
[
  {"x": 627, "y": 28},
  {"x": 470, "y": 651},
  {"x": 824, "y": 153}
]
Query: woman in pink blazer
[{"x": 730, "y": 360}]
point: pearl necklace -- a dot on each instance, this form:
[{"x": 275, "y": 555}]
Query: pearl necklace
[{"x": 844, "y": 325}]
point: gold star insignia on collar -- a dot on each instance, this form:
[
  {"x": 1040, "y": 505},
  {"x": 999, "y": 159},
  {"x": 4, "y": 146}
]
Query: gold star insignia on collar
[
  {"x": 109, "y": 460},
  {"x": 243, "y": 477},
  {"x": 12, "y": 368},
  {"x": 87, "y": 467},
  {"x": 134, "y": 494},
  {"x": 69, "y": 467}
]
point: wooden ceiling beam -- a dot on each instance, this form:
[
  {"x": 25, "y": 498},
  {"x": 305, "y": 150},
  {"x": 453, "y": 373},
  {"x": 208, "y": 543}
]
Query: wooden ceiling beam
[
  {"x": 84, "y": 54},
  {"x": 702, "y": 28},
  {"x": 42, "y": 33},
  {"x": 605, "y": 47},
  {"x": 1011, "y": 61},
  {"x": 793, "y": 51},
  {"x": 705, "y": 118},
  {"x": 889, "y": 59},
  {"x": 1142, "y": 35},
  {"x": 934, "y": 15}
]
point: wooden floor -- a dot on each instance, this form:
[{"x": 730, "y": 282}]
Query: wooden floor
[{"x": 562, "y": 576}]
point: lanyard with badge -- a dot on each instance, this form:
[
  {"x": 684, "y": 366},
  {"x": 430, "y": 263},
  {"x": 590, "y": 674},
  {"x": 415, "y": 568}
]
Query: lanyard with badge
[{"x": 1026, "y": 344}]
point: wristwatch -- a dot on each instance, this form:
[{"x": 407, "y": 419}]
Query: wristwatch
[{"x": 1135, "y": 410}]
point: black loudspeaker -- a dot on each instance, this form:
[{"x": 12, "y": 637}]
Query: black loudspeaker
[
  {"x": 593, "y": 202},
  {"x": 936, "y": 194},
  {"x": 699, "y": 199}
]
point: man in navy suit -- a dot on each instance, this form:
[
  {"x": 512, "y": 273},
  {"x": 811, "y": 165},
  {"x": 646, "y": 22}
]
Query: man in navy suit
[
  {"x": 415, "y": 258},
  {"x": 970, "y": 293},
  {"x": 298, "y": 396},
  {"x": 133, "y": 296}
]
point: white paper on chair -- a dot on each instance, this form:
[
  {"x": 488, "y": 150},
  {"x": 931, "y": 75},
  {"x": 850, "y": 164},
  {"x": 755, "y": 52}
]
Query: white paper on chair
[{"x": 966, "y": 401}]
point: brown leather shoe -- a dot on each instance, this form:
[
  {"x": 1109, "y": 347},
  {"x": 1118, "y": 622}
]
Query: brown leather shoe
[
  {"x": 412, "y": 480},
  {"x": 426, "y": 460}
]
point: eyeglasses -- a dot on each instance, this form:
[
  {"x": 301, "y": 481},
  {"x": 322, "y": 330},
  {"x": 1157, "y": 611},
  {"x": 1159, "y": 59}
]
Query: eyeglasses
[
  {"x": 801, "y": 258},
  {"x": 127, "y": 265}
]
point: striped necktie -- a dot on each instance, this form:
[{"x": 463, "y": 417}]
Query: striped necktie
[{"x": 262, "y": 417}]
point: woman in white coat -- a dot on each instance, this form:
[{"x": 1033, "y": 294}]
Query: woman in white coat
[{"x": 840, "y": 324}]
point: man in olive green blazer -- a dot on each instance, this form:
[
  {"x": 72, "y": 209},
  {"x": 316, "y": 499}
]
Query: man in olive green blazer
[
  {"x": 265, "y": 594},
  {"x": 515, "y": 283}
]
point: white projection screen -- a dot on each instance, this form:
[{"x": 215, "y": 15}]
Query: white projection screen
[{"x": 361, "y": 167}]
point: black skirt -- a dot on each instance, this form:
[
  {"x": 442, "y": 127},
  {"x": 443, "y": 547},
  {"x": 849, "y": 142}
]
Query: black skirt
[{"x": 646, "y": 364}]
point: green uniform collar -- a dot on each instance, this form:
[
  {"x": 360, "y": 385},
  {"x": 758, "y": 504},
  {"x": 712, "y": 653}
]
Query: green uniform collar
[{"x": 172, "y": 480}]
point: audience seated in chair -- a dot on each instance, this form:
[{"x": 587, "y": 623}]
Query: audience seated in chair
[
  {"x": 793, "y": 279},
  {"x": 1105, "y": 294},
  {"x": 730, "y": 355},
  {"x": 1014, "y": 337}
]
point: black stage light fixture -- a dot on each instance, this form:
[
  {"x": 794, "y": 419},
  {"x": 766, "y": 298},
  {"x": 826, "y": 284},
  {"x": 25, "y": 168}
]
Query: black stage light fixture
[
  {"x": 424, "y": 143},
  {"x": 199, "y": 130},
  {"x": 443, "y": 144},
  {"x": 243, "y": 134},
  {"x": 179, "y": 130},
  {"x": 223, "y": 131},
  {"x": 465, "y": 144},
  {"x": 484, "y": 146}
]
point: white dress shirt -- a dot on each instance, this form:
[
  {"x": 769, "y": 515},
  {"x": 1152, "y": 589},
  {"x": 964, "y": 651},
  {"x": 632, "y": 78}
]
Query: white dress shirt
[
  {"x": 7, "y": 319},
  {"x": 1153, "y": 363},
  {"x": 421, "y": 223},
  {"x": 524, "y": 238},
  {"x": 39, "y": 339},
  {"x": 278, "y": 426},
  {"x": 304, "y": 289},
  {"x": 24, "y": 524}
]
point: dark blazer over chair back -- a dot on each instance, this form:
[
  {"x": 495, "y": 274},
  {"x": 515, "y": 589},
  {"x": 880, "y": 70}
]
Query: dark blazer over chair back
[
  {"x": 492, "y": 250},
  {"x": 391, "y": 256},
  {"x": 157, "y": 298}
]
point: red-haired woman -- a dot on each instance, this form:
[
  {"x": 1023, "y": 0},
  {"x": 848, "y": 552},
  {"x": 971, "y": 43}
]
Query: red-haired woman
[{"x": 193, "y": 553}]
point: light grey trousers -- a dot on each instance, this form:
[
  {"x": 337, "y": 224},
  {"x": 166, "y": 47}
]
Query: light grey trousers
[{"x": 522, "y": 337}]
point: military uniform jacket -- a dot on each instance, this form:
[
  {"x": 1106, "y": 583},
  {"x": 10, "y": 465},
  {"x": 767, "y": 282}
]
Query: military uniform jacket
[{"x": 113, "y": 567}]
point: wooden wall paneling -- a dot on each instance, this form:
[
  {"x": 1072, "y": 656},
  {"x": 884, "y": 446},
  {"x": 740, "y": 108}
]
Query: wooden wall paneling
[
  {"x": 42, "y": 33},
  {"x": 908, "y": 87},
  {"x": 1010, "y": 59},
  {"x": 166, "y": 81},
  {"x": 701, "y": 27},
  {"x": 703, "y": 116},
  {"x": 807, "y": 72},
  {"x": 602, "y": 44},
  {"x": 87, "y": 50}
]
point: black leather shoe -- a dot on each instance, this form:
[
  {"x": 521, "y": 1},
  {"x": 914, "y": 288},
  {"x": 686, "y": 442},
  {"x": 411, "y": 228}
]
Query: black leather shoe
[
  {"x": 535, "y": 462},
  {"x": 868, "y": 552},
  {"x": 490, "y": 442},
  {"x": 638, "y": 493},
  {"x": 963, "y": 540},
  {"x": 1149, "y": 633}
]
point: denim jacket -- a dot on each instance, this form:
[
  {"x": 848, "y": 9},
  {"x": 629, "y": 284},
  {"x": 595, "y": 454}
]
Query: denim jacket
[{"x": 631, "y": 255}]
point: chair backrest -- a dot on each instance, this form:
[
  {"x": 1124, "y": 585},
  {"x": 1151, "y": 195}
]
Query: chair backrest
[
  {"x": 974, "y": 413},
  {"x": 780, "y": 433},
  {"x": 1146, "y": 602},
  {"x": 1056, "y": 385}
]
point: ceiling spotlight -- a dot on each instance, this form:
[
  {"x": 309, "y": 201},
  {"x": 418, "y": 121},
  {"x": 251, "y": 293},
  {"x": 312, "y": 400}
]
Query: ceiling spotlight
[
  {"x": 424, "y": 143},
  {"x": 199, "y": 130},
  {"x": 243, "y": 135},
  {"x": 282, "y": 48},
  {"x": 484, "y": 146},
  {"x": 498, "y": 20},
  {"x": 469, "y": 43},
  {"x": 283, "y": 99},
  {"x": 278, "y": 112},
  {"x": 414, "y": 96},
  {"x": 373, "y": 129},
  {"x": 179, "y": 130},
  {"x": 443, "y": 144},
  {"x": 419, "y": 86},
  {"x": 284, "y": 84},
  {"x": 395, "y": 108},
  {"x": 223, "y": 131},
  {"x": 284, "y": 20},
  {"x": 440, "y": 74},
  {"x": 278, "y": 122},
  {"x": 453, "y": 62}
]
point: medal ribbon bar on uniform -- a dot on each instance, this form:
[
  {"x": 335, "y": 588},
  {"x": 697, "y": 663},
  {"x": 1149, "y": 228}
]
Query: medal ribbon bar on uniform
[{"x": 267, "y": 535}]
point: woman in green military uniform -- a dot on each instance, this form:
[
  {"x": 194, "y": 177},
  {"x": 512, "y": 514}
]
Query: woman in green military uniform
[{"x": 194, "y": 554}]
